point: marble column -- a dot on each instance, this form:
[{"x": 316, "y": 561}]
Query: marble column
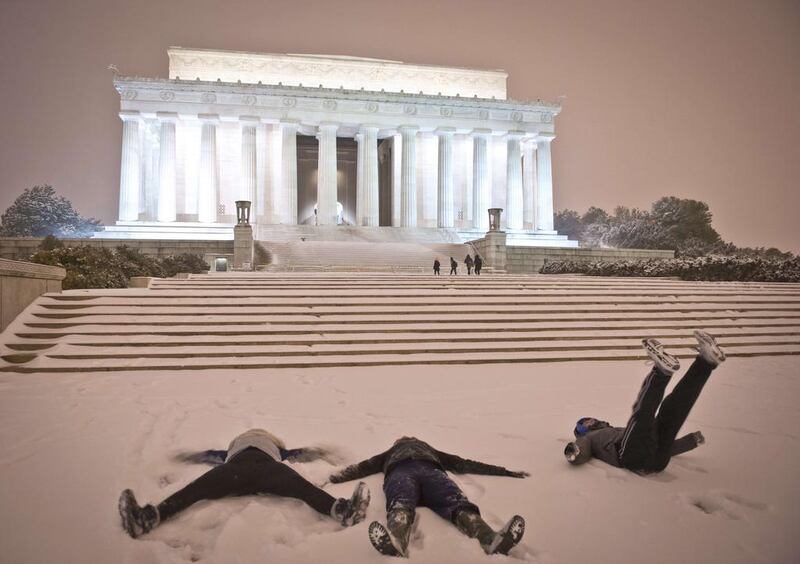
[
  {"x": 130, "y": 179},
  {"x": 359, "y": 178},
  {"x": 287, "y": 195},
  {"x": 369, "y": 173},
  {"x": 514, "y": 209},
  {"x": 166, "y": 167},
  {"x": 544, "y": 195},
  {"x": 327, "y": 193},
  {"x": 408, "y": 176},
  {"x": 248, "y": 160},
  {"x": 397, "y": 174},
  {"x": 528, "y": 184},
  {"x": 207, "y": 183},
  {"x": 444, "y": 199},
  {"x": 481, "y": 198}
]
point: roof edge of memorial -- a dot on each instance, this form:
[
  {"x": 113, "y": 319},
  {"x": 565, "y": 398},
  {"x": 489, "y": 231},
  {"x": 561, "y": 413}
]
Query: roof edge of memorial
[
  {"x": 342, "y": 58},
  {"x": 121, "y": 81}
]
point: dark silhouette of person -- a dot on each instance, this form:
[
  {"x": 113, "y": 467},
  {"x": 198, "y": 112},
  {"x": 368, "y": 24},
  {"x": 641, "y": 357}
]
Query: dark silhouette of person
[
  {"x": 415, "y": 475},
  {"x": 252, "y": 465},
  {"x": 469, "y": 263},
  {"x": 453, "y": 266},
  {"x": 478, "y": 264},
  {"x": 436, "y": 266}
]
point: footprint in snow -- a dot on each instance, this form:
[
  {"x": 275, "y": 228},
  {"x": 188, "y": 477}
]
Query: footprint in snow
[{"x": 724, "y": 504}]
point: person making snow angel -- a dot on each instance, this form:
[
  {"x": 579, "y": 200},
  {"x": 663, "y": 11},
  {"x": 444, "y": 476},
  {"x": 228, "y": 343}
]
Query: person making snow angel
[
  {"x": 648, "y": 442},
  {"x": 415, "y": 474},
  {"x": 251, "y": 466}
]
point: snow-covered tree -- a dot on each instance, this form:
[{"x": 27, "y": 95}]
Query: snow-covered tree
[{"x": 38, "y": 212}]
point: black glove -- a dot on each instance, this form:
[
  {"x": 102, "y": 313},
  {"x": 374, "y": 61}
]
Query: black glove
[{"x": 571, "y": 451}]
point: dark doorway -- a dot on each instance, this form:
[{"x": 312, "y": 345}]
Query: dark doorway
[{"x": 307, "y": 171}]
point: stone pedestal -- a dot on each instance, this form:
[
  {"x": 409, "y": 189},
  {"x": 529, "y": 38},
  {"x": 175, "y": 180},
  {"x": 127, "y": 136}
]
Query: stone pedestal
[
  {"x": 494, "y": 253},
  {"x": 243, "y": 247}
]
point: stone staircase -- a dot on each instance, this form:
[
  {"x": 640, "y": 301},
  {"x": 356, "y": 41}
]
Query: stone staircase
[
  {"x": 298, "y": 320},
  {"x": 361, "y": 256}
]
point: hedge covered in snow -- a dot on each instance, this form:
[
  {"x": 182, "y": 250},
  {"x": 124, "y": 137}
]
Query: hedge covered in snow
[
  {"x": 713, "y": 267},
  {"x": 101, "y": 267}
]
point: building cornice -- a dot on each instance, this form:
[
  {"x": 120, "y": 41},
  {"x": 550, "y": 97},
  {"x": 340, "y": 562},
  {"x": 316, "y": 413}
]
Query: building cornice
[{"x": 287, "y": 98}]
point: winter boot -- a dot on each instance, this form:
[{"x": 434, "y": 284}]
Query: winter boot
[
  {"x": 351, "y": 511},
  {"x": 708, "y": 348},
  {"x": 136, "y": 520},
  {"x": 471, "y": 524},
  {"x": 508, "y": 537},
  {"x": 394, "y": 541},
  {"x": 665, "y": 362}
]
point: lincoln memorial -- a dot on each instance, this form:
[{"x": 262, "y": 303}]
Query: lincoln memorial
[{"x": 331, "y": 141}]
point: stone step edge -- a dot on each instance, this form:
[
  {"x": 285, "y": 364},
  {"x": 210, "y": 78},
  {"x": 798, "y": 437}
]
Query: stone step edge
[{"x": 350, "y": 363}]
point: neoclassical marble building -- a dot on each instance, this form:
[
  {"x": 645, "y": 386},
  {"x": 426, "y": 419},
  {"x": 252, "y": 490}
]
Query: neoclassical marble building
[{"x": 325, "y": 140}]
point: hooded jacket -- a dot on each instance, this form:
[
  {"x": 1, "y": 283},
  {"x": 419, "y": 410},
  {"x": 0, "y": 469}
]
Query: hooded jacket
[
  {"x": 411, "y": 448},
  {"x": 604, "y": 444}
]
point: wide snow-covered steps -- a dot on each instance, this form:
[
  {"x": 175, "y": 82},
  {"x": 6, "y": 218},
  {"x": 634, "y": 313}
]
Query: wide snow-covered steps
[
  {"x": 362, "y": 256},
  {"x": 348, "y": 319}
]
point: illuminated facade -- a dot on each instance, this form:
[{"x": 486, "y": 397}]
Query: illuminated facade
[{"x": 322, "y": 140}]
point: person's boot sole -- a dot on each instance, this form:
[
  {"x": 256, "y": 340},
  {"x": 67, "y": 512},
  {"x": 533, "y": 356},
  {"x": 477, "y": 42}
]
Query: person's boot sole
[{"x": 382, "y": 540}]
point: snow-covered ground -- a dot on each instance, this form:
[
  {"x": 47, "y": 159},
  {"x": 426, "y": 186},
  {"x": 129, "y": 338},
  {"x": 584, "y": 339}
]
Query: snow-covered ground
[{"x": 71, "y": 443}]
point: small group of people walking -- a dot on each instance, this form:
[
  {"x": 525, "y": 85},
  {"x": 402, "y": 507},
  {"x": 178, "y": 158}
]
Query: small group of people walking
[
  {"x": 472, "y": 264},
  {"x": 415, "y": 474}
]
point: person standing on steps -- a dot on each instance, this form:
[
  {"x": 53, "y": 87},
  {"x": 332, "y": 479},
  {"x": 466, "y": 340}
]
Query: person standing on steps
[
  {"x": 648, "y": 442},
  {"x": 436, "y": 266},
  {"x": 252, "y": 465},
  {"x": 469, "y": 263},
  {"x": 415, "y": 474},
  {"x": 453, "y": 266},
  {"x": 478, "y": 264}
]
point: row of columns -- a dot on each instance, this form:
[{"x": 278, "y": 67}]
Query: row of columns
[{"x": 527, "y": 200}]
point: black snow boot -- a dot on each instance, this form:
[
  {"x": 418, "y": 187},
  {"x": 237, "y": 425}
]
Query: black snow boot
[
  {"x": 472, "y": 525},
  {"x": 392, "y": 540},
  {"x": 136, "y": 520}
]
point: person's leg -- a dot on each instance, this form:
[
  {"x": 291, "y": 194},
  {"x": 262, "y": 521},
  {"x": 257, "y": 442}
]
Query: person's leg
[
  {"x": 402, "y": 491},
  {"x": 638, "y": 445},
  {"x": 441, "y": 494},
  {"x": 676, "y": 407},
  {"x": 249, "y": 473}
]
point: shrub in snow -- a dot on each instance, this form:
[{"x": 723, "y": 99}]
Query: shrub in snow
[
  {"x": 38, "y": 212},
  {"x": 99, "y": 267},
  {"x": 714, "y": 267}
]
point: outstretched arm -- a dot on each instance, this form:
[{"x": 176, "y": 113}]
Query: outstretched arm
[
  {"x": 212, "y": 457},
  {"x": 362, "y": 469},
  {"x": 579, "y": 451},
  {"x": 687, "y": 443},
  {"x": 459, "y": 465}
]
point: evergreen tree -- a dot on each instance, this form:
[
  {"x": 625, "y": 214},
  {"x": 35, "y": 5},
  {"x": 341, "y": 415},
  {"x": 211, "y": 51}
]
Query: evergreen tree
[{"x": 38, "y": 212}]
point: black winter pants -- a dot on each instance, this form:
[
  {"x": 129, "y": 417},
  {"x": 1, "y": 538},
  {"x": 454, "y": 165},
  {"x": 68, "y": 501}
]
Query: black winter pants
[
  {"x": 251, "y": 472},
  {"x": 647, "y": 443}
]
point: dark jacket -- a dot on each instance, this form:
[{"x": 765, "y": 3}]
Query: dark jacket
[
  {"x": 604, "y": 444},
  {"x": 478, "y": 261},
  {"x": 468, "y": 261},
  {"x": 410, "y": 448}
]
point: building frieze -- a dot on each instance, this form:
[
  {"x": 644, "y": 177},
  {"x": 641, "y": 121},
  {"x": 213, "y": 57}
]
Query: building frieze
[{"x": 334, "y": 100}]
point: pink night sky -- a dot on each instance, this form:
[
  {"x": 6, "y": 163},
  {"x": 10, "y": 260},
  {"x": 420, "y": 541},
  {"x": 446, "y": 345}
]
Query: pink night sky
[{"x": 696, "y": 99}]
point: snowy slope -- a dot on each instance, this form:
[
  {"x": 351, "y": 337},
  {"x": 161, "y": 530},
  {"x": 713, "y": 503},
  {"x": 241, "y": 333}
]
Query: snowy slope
[{"x": 71, "y": 442}]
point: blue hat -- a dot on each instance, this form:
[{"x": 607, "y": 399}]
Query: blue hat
[{"x": 587, "y": 424}]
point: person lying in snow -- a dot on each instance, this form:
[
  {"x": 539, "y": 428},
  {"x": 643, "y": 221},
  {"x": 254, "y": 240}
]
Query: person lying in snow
[
  {"x": 415, "y": 474},
  {"x": 251, "y": 466},
  {"x": 647, "y": 443}
]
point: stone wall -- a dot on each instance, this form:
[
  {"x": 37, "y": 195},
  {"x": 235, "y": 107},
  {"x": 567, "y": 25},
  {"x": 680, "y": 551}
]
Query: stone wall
[
  {"x": 23, "y": 282},
  {"x": 529, "y": 260}
]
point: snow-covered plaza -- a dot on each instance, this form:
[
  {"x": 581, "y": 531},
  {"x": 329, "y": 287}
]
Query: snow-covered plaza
[{"x": 72, "y": 440}]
